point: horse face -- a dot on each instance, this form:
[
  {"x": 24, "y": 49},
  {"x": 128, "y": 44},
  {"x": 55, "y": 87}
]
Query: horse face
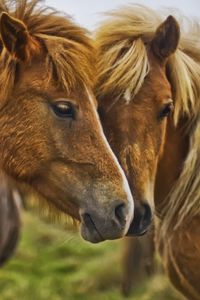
[
  {"x": 136, "y": 128},
  {"x": 53, "y": 141}
]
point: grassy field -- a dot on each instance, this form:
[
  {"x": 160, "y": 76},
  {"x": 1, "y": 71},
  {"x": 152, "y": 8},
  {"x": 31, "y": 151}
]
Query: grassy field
[{"x": 54, "y": 264}]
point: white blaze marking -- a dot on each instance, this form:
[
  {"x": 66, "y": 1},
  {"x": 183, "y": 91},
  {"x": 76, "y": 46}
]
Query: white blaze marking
[
  {"x": 127, "y": 96},
  {"x": 124, "y": 179}
]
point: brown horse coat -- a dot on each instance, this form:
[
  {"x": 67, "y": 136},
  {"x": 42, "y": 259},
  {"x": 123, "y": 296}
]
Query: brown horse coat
[{"x": 146, "y": 74}]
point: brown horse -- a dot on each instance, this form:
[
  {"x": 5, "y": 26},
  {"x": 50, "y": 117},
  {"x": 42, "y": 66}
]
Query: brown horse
[
  {"x": 149, "y": 102},
  {"x": 10, "y": 224},
  {"x": 51, "y": 139}
]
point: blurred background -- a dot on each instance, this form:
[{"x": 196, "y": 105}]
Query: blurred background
[
  {"x": 89, "y": 12},
  {"x": 52, "y": 262}
]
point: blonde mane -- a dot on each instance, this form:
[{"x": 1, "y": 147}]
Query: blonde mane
[
  {"x": 123, "y": 65},
  {"x": 68, "y": 46}
]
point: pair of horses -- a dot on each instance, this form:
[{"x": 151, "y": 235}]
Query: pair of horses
[{"x": 148, "y": 89}]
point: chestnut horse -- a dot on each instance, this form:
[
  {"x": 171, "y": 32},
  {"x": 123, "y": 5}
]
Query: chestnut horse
[
  {"x": 10, "y": 224},
  {"x": 149, "y": 101},
  {"x": 51, "y": 139}
]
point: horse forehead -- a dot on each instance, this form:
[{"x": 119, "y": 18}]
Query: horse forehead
[
  {"x": 34, "y": 73},
  {"x": 38, "y": 75},
  {"x": 158, "y": 83}
]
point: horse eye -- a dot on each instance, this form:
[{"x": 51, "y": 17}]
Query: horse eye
[
  {"x": 64, "y": 109},
  {"x": 167, "y": 109}
]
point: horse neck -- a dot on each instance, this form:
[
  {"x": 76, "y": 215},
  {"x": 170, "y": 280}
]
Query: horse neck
[{"x": 170, "y": 165}]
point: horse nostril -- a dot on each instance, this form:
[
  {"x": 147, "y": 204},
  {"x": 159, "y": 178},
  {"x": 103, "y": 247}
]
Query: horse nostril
[
  {"x": 146, "y": 216},
  {"x": 141, "y": 221},
  {"x": 120, "y": 213}
]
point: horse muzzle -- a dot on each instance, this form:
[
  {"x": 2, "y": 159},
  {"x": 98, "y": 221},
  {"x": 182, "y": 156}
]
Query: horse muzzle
[
  {"x": 141, "y": 221},
  {"x": 108, "y": 223}
]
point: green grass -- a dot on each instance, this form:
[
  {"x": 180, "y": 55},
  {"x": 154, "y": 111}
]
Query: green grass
[{"x": 56, "y": 264}]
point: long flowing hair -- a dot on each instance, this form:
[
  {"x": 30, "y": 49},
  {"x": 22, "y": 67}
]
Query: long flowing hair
[{"x": 123, "y": 65}]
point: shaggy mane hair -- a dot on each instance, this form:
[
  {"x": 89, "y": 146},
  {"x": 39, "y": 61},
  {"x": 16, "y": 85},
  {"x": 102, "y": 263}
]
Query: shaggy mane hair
[
  {"x": 68, "y": 46},
  {"x": 122, "y": 67}
]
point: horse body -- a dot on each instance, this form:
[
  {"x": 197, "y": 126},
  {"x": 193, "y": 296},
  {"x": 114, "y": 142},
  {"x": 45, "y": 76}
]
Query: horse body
[
  {"x": 51, "y": 139},
  {"x": 179, "y": 246},
  {"x": 180, "y": 253},
  {"x": 148, "y": 93}
]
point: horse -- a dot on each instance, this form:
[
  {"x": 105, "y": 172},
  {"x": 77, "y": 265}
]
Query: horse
[
  {"x": 51, "y": 139},
  {"x": 10, "y": 220},
  {"x": 148, "y": 92}
]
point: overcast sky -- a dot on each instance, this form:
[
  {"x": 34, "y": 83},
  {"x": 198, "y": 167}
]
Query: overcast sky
[{"x": 88, "y": 12}]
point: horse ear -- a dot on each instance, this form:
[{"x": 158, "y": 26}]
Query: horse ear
[
  {"x": 166, "y": 39},
  {"x": 15, "y": 36}
]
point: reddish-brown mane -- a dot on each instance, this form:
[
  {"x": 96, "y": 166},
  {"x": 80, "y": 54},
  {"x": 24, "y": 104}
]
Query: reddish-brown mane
[{"x": 68, "y": 46}]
